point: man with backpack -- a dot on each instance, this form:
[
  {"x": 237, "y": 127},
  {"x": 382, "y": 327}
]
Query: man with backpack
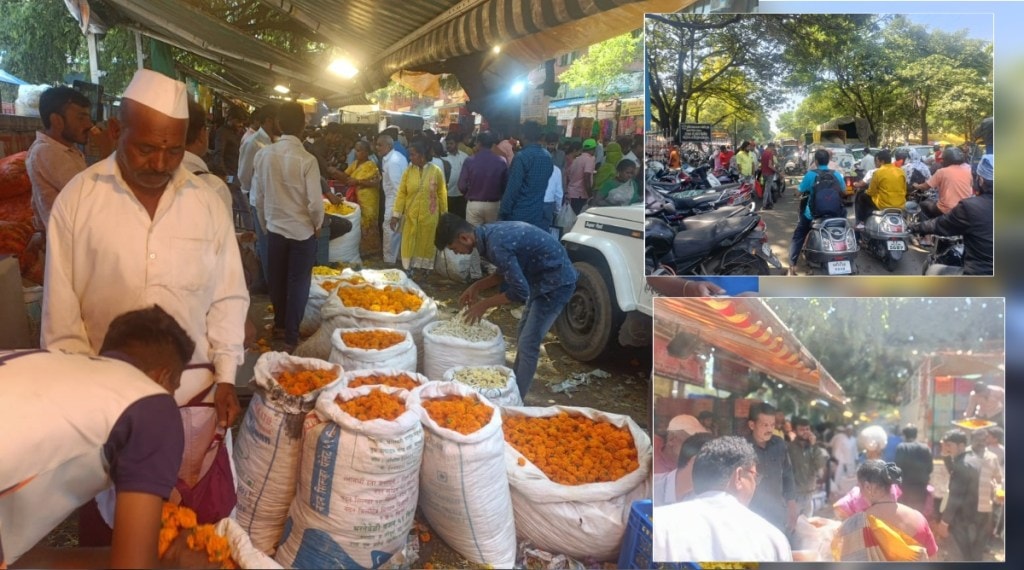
[
  {"x": 821, "y": 197},
  {"x": 888, "y": 189}
]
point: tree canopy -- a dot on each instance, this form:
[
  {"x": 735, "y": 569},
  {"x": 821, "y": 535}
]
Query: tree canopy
[
  {"x": 871, "y": 346},
  {"x": 907, "y": 80},
  {"x": 601, "y": 69}
]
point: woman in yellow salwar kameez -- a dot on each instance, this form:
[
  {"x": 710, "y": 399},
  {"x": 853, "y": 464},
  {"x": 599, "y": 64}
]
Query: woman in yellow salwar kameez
[
  {"x": 422, "y": 198},
  {"x": 364, "y": 175}
]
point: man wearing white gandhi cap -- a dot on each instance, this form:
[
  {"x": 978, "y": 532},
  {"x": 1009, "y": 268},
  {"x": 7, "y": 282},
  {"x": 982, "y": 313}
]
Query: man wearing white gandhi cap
[{"x": 136, "y": 230}]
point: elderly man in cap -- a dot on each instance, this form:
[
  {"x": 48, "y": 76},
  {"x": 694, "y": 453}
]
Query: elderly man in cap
[
  {"x": 666, "y": 457},
  {"x": 136, "y": 230}
]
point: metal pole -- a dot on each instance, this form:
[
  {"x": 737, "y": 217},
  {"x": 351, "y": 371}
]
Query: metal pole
[
  {"x": 139, "y": 56},
  {"x": 94, "y": 70}
]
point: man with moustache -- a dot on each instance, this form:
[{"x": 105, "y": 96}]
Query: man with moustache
[
  {"x": 136, "y": 230},
  {"x": 775, "y": 499},
  {"x": 807, "y": 459},
  {"x": 53, "y": 159}
]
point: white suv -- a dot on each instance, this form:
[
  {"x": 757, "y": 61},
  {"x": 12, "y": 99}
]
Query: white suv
[{"x": 612, "y": 299}]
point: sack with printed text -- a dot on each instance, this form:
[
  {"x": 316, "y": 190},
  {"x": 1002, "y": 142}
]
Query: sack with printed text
[
  {"x": 270, "y": 440},
  {"x": 359, "y": 481},
  {"x": 464, "y": 490}
]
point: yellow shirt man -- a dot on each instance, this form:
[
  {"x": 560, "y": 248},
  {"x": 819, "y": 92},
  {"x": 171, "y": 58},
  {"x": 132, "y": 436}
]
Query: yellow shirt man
[
  {"x": 745, "y": 163},
  {"x": 888, "y": 187}
]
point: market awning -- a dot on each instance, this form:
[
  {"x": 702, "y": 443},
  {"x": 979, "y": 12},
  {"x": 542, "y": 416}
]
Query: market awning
[
  {"x": 750, "y": 331},
  {"x": 381, "y": 37},
  {"x": 8, "y": 78}
]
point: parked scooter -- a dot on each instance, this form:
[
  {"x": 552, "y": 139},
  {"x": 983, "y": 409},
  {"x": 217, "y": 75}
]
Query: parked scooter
[
  {"x": 945, "y": 257},
  {"x": 831, "y": 246},
  {"x": 885, "y": 236},
  {"x": 727, "y": 241}
]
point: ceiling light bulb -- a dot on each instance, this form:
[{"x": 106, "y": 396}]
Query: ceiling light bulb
[
  {"x": 281, "y": 89},
  {"x": 343, "y": 67}
]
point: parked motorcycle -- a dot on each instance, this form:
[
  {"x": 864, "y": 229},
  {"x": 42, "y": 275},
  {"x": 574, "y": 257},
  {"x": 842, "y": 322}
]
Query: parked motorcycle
[
  {"x": 727, "y": 241},
  {"x": 885, "y": 236},
  {"x": 945, "y": 256},
  {"x": 831, "y": 246}
]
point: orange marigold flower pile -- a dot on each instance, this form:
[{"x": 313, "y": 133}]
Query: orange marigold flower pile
[
  {"x": 174, "y": 519},
  {"x": 373, "y": 339},
  {"x": 573, "y": 450},
  {"x": 204, "y": 537},
  {"x": 403, "y": 381},
  {"x": 387, "y": 300},
  {"x": 464, "y": 414},
  {"x": 377, "y": 405},
  {"x": 330, "y": 285},
  {"x": 299, "y": 382}
]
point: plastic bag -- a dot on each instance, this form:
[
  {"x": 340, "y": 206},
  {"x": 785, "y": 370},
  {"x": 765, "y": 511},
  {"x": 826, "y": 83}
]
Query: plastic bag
[{"x": 565, "y": 218}]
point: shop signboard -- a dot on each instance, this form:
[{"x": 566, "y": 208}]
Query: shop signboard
[
  {"x": 632, "y": 108},
  {"x": 695, "y": 132}
]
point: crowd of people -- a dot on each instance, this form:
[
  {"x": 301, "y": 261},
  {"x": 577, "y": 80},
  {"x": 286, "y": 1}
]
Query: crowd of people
[{"x": 785, "y": 490}]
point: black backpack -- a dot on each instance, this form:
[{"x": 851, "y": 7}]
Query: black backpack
[{"x": 827, "y": 196}]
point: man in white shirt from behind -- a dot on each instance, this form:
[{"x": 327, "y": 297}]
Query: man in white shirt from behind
[
  {"x": 290, "y": 209},
  {"x": 268, "y": 132},
  {"x": 393, "y": 166},
  {"x": 716, "y": 525}
]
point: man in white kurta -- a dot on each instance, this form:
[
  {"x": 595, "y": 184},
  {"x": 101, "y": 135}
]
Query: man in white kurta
[
  {"x": 165, "y": 239},
  {"x": 393, "y": 166},
  {"x": 716, "y": 525},
  {"x": 844, "y": 451}
]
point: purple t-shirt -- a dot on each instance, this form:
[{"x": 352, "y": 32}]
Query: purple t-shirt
[
  {"x": 145, "y": 446},
  {"x": 483, "y": 177}
]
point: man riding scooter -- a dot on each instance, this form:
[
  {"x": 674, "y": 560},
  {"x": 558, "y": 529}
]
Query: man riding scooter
[
  {"x": 971, "y": 218},
  {"x": 888, "y": 189}
]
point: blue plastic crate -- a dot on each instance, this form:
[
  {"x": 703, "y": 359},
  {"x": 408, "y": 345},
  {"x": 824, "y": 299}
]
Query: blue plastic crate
[{"x": 637, "y": 545}]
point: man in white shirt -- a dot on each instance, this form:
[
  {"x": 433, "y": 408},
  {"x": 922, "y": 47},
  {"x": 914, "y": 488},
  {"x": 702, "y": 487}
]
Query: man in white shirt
[
  {"x": 136, "y": 230},
  {"x": 553, "y": 200},
  {"x": 53, "y": 159},
  {"x": 455, "y": 159},
  {"x": 393, "y": 166},
  {"x": 268, "y": 132},
  {"x": 197, "y": 143},
  {"x": 716, "y": 525},
  {"x": 290, "y": 210}
]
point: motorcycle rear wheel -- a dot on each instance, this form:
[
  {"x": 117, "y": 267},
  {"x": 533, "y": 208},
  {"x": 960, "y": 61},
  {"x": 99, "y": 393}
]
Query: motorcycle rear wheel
[{"x": 742, "y": 263}]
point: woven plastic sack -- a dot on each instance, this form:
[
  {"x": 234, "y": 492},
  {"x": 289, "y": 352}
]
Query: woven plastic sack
[
  {"x": 400, "y": 356},
  {"x": 464, "y": 490},
  {"x": 243, "y": 552},
  {"x": 348, "y": 377},
  {"x": 580, "y": 521},
  {"x": 443, "y": 352},
  {"x": 507, "y": 395},
  {"x": 267, "y": 451},
  {"x": 346, "y": 248},
  {"x": 357, "y": 492}
]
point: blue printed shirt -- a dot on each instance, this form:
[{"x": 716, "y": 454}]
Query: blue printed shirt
[
  {"x": 808, "y": 183},
  {"x": 528, "y": 177},
  {"x": 532, "y": 261}
]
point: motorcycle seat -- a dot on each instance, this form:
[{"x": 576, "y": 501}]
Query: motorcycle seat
[
  {"x": 700, "y": 239},
  {"x": 713, "y": 217}
]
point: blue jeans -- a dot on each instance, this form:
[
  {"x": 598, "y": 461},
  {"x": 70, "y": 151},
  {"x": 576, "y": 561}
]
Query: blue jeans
[
  {"x": 803, "y": 227},
  {"x": 290, "y": 273},
  {"x": 538, "y": 315},
  {"x": 261, "y": 244}
]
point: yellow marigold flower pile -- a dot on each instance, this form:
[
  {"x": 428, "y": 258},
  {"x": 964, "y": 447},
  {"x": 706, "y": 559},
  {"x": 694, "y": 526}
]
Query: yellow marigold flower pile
[
  {"x": 373, "y": 339},
  {"x": 174, "y": 519},
  {"x": 377, "y": 405},
  {"x": 464, "y": 414},
  {"x": 387, "y": 300},
  {"x": 402, "y": 381},
  {"x": 573, "y": 450},
  {"x": 342, "y": 209},
  {"x": 299, "y": 382},
  {"x": 326, "y": 270}
]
